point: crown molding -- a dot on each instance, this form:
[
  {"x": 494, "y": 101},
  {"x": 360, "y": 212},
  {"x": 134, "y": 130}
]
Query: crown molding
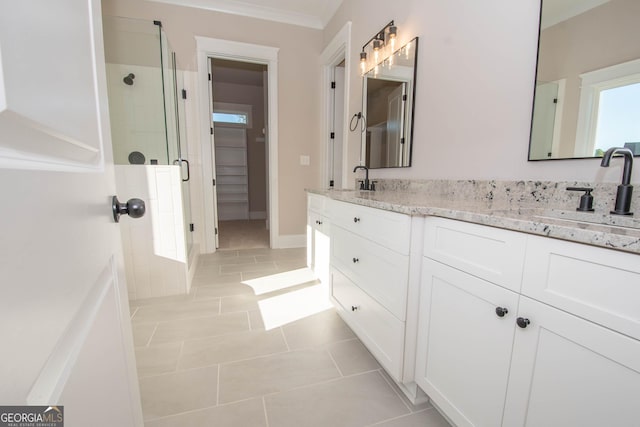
[{"x": 252, "y": 11}]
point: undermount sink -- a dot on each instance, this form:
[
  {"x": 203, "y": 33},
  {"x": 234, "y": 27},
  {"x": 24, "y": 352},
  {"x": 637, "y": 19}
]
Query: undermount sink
[
  {"x": 574, "y": 217},
  {"x": 589, "y": 217}
]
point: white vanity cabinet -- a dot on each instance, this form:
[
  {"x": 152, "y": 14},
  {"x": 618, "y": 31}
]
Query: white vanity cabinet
[
  {"x": 548, "y": 338},
  {"x": 318, "y": 241},
  {"x": 372, "y": 283},
  {"x": 467, "y": 321}
]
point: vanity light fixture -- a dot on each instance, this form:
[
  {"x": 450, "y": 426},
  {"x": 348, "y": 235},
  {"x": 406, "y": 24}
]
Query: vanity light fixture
[{"x": 377, "y": 46}]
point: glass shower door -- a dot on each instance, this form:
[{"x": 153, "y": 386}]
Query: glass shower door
[{"x": 176, "y": 133}]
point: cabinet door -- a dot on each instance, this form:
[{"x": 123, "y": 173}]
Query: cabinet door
[
  {"x": 313, "y": 220},
  {"x": 567, "y": 371},
  {"x": 322, "y": 249},
  {"x": 464, "y": 347},
  {"x": 318, "y": 242}
]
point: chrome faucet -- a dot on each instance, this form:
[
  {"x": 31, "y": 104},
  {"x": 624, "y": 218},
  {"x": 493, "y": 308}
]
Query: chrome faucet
[
  {"x": 625, "y": 190},
  {"x": 364, "y": 185}
]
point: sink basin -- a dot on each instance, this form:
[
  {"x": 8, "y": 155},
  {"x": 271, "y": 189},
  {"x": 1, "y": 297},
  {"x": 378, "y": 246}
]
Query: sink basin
[
  {"x": 589, "y": 218},
  {"x": 575, "y": 217}
]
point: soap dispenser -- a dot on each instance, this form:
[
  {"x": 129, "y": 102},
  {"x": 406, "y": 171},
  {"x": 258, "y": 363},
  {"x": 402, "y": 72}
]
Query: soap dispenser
[{"x": 586, "y": 201}]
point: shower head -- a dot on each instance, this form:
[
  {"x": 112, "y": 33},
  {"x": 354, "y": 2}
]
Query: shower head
[{"x": 128, "y": 80}]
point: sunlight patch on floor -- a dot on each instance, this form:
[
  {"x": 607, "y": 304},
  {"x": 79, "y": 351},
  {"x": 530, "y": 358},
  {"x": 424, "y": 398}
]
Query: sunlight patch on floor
[
  {"x": 279, "y": 281},
  {"x": 283, "y": 309}
]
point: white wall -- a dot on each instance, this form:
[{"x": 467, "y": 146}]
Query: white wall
[{"x": 475, "y": 75}]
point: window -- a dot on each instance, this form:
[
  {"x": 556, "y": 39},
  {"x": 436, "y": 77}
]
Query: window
[
  {"x": 235, "y": 118},
  {"x": 233, "y": 115},
  {"x": 618, "y": 120},
  {"x": 609, "y": 107}
]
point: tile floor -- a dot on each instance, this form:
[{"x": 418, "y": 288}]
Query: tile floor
[
  {"x": 256, "y": 344},
  {"x": 243, "y": 234}
]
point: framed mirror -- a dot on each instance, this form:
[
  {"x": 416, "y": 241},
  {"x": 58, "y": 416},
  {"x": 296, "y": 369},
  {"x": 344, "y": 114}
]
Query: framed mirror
[
  {"x": 388, "y": 95},
  {"x": 587, "y": 90}
]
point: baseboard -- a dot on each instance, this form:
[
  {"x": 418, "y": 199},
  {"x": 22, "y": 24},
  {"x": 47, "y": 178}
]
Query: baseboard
[
  {"x": 290, "y": 241},
  {"x": 258, "y": 215}
]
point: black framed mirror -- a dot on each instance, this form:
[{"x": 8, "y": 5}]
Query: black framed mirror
[
  {"x": 587, "y": 89},
  {"x": 388, "y": 95}
]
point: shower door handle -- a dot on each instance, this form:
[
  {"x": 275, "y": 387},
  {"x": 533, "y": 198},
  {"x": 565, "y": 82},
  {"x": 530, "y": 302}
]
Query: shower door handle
[
  {"x": 188, "y": 170},
  {"x": 179, "y": 162}
]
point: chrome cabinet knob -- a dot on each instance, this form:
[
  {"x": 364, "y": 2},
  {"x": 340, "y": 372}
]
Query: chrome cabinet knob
[{"x": 135, "y": 208}]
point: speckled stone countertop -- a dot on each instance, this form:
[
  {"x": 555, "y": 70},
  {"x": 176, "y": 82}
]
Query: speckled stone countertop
[{"x": 549, "y": 217}]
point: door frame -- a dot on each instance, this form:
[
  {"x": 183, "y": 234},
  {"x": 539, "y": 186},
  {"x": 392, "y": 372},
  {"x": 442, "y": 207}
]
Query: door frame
[
  {"x": 338, "y": 49},
  {"x": 245, "y": 52}
]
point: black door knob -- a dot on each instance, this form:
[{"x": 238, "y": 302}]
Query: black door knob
[
  {"x": 354, "y": 308},
  {"x": 135, "y": 208},
  {"x": 355, "y": 260},
  {"x": 522, "y": 322},
  {"x": 356, "y": 219},
  {"x": 501, "y": 311}
]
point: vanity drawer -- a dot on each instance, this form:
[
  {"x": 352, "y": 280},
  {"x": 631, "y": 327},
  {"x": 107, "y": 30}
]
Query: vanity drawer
[
  {"x": 316, "y": 203},
  {"x": 390, "y": 229},
  {"x": 601, "y": 285},
  {"x": 380, "y": 272},
  {"x": 316, "y": 220},
  {"x": 377, "y": 328},
  {"x": 489, "y": 253}
]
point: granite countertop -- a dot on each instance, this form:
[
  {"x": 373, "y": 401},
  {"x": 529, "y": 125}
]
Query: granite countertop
[{"x": 595, "y": 228}]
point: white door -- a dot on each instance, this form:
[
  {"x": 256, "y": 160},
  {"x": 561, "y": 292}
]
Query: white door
[
  {"x": 64, "y": 317},
  {"x": 213, "y": 156},
  {"x": 395, "y": 119},
  {"x": 335, "y": 146}
]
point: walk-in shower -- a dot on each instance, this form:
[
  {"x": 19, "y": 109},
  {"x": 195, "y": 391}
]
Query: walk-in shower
[{"x": 149, "y": 145}]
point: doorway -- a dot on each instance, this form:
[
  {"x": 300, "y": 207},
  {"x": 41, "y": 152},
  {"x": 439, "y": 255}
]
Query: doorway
[
  {"x": 239, "y": 121},
  {"x": 244, "y": 52},
  {"x": 335, "y": 100}
]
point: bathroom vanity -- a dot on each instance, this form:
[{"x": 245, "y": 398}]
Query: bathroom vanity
[{"x": 473, "y": 303}]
